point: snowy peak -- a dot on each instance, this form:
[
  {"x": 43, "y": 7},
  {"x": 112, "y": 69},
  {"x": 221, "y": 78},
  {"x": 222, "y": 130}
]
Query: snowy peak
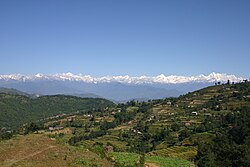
[{"x": 160, "y": 79}]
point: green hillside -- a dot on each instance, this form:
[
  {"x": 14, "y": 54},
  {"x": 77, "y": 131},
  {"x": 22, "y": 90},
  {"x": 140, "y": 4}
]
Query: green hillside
[
  {"x": 208, "y": 127},
  {"x": 226, "y": 96},
  {"x": 16, "y": 110}
]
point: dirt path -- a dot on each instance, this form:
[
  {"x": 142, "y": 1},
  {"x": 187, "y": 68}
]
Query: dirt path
[
  {"x": 13, "y": 161},
  {"x": 151, "y": 165}
]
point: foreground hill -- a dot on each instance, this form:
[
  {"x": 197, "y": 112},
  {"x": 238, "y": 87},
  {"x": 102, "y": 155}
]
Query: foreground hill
[
  {"x": 16, "y": 110},
  {"x": 40, "y": 151}
]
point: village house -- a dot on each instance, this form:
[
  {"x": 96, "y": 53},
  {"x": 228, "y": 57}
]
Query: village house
[
  {"x": 208, "y": 114},
  {"x": 194, "y": 113},
  {"x": 204, "y": 109},
  {"x": 55, "y": 128},
  {"x": 108, "y": 148},
  {"x": 113, "y": 113},
  {"x": 130, "y": 122}
]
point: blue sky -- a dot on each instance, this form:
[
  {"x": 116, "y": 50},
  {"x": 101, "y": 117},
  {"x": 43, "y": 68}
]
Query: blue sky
[{"x": 134, "y": 37}]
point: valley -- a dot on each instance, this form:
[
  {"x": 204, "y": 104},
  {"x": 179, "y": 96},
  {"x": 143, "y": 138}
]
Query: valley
[{"x": 200, "y": 128}]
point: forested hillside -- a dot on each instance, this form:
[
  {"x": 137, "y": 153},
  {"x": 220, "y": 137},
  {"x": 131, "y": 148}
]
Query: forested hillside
[{"x": 16, "y": 110}]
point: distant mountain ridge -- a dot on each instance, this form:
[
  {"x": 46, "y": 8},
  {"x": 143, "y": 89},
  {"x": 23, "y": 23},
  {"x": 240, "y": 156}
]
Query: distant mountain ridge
[
  {"x": 13, "y": 91},
  {"x": 115, "y": 88},
  {"x": 160, "y": 79}
]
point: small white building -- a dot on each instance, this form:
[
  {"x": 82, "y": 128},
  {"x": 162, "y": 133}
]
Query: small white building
[{"x": 194, "y": 113}]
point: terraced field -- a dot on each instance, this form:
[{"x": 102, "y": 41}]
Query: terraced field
[
  {"x": 182, "y": 152},
  {"x": 114, "y": 140},
  {"x": 158, "y": 161},
  {"x": 125, "y": 159},
  {"x": 132, "y": 160}
]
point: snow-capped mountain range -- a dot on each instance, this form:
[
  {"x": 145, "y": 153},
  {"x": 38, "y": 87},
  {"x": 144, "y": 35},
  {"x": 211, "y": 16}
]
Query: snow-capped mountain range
[
  {"x": 118, "y": 88},
  {"x": 159, "y": 79}
]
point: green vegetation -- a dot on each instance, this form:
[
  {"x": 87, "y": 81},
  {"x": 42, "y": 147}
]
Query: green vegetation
[
  {"x": 181, "y": 127},
  {"x": 182, "y": 152},
  {"x": 16, "y": 110},
  {"x": 85, "y": 162},
  {"x": 167, "y": 162},
  {"x": 124, "y": 159},
  {"x": 231, "y": 146},
  {"x": 208, "y": 127}
]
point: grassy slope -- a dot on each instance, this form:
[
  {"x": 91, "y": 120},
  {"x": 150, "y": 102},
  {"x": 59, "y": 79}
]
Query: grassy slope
[{"x": 39, "y": 150}]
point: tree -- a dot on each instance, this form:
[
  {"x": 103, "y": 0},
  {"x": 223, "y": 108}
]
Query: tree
[
  {"x": 205, "y": 157},
  {"x": 175, "y": 126},
  {"x": 184, "y": 134},
  {"x": 231, "y": 146},
  {"x": 32, "y": 127}
]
